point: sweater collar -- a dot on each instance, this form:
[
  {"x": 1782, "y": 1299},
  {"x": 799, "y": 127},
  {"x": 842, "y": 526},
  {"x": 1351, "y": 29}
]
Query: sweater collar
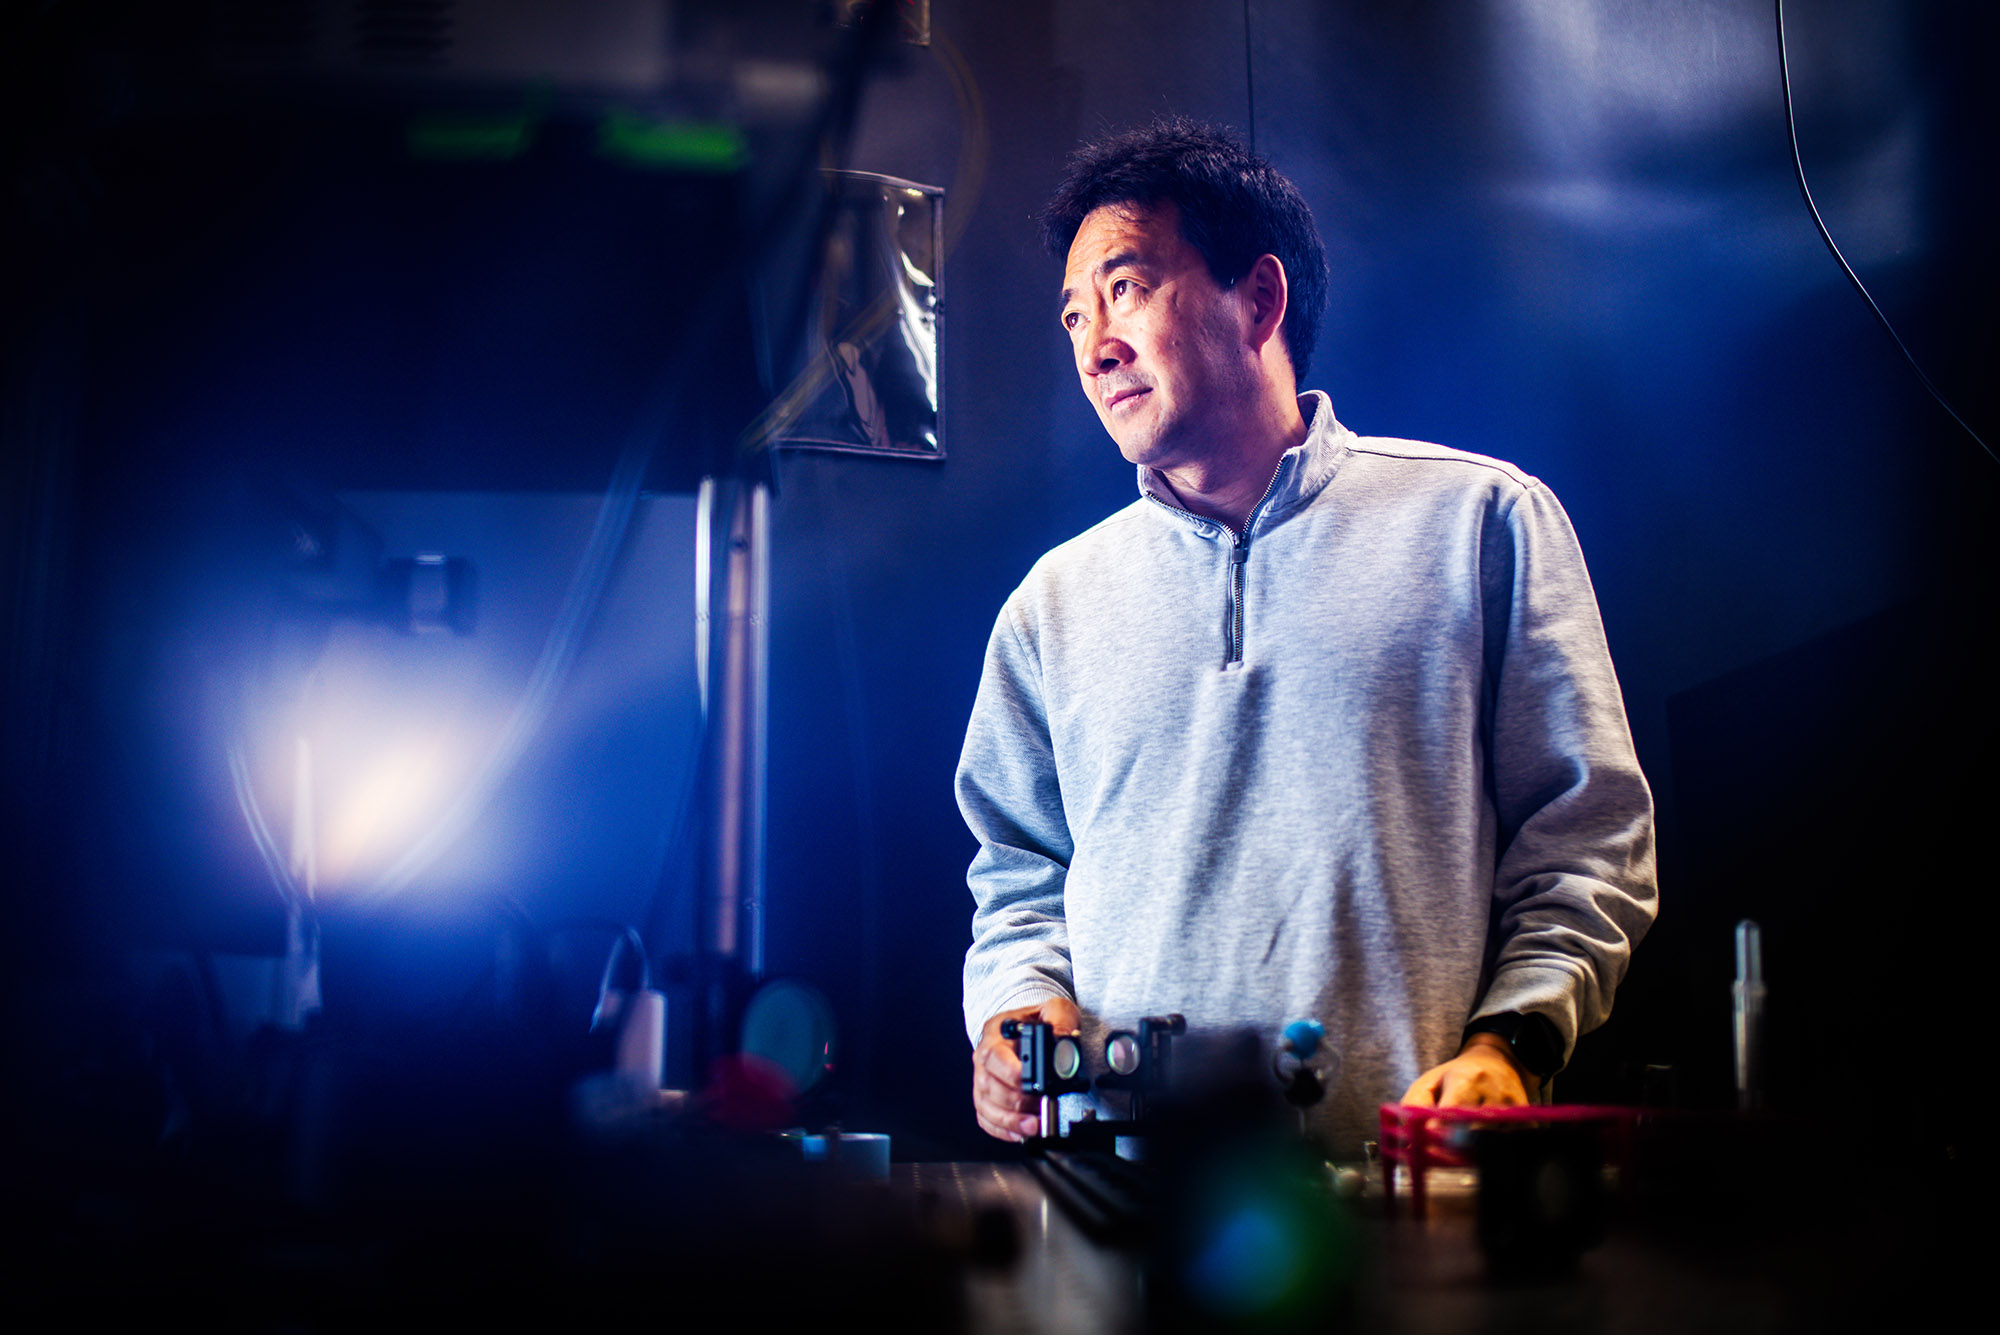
[{"x": 1303, "y": 471}]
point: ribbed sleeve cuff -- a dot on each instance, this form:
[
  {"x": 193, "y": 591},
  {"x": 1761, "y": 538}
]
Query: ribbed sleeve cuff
[
  {"x": 977, "y": 1012},
  {"x": 1542, "y": 989}
]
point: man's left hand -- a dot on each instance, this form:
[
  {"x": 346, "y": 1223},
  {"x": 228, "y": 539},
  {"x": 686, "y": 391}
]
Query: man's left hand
[{"x": 1482, "y": 1075}]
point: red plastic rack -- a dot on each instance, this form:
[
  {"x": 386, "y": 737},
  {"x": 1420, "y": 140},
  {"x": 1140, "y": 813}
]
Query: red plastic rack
[{"x": 1423, "y": 1138}]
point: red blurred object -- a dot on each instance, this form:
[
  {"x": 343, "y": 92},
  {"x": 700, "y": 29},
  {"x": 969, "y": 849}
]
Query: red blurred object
[
  {"x": 748, "y": 1093},
  {"x": 1425, "y": 1138}
]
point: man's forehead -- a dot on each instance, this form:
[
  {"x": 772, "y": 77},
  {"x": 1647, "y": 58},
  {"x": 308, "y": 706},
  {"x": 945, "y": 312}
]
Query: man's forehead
[{"x": 1110, "y": 231}]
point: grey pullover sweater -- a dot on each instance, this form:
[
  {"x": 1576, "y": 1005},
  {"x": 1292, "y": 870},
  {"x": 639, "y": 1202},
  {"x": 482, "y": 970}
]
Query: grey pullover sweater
[{"x": 1366, "y": 763}]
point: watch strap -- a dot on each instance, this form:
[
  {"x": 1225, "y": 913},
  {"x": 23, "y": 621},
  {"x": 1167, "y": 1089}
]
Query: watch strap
[{"x": 1534, "y": 1039}]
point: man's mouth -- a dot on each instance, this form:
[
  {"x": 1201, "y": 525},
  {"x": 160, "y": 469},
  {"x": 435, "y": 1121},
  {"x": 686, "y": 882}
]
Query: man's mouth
[{"x": 1124, "y": 396}]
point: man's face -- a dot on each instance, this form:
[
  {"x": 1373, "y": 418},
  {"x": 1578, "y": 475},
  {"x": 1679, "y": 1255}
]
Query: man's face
[{"x": 1161, "y": 348}]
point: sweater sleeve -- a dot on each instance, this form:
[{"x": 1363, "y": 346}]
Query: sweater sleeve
[
  {"x": 1575, "y": 886},
  {"x": 1011, "y": 799}
]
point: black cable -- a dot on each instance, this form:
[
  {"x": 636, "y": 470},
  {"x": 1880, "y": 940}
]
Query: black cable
[
  {"x": 1249, "y": 76},
  {"x": 627, "y": 939},
  {"x": 1799, "y": 168}
]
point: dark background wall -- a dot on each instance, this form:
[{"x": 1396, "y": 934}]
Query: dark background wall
[{"x": 1566, "y": 235}]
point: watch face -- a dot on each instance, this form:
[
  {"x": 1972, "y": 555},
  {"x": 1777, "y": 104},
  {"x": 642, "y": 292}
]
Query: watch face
[
  {"x": 1537, "y": 1045},
  {"x": 1533, "y": 1038}
]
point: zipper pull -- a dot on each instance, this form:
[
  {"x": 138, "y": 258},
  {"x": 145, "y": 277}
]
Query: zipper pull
[{"x": 1240, "y": 553}]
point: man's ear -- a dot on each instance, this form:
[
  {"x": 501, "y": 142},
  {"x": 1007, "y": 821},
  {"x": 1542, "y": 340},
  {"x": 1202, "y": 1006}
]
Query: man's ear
[{"x": 1268, "y": 293}]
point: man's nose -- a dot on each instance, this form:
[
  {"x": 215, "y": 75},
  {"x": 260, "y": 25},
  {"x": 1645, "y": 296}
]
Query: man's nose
[{"x": 1100, "y": 350}]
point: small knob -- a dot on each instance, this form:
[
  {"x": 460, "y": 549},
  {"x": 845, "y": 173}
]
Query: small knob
[{"x": 1303, "y": 1037}]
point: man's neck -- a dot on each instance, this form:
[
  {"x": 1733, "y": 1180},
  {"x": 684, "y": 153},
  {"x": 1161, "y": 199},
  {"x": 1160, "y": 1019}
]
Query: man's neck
[{"x": 1227, "y": 485}]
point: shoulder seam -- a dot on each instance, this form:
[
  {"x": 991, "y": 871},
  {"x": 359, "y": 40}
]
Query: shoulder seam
[{"x": 1446, "y": 455}]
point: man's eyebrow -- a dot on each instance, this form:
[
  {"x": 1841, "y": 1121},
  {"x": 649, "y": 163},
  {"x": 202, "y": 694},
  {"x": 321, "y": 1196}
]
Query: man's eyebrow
[{"x": 1104, "y": 267}]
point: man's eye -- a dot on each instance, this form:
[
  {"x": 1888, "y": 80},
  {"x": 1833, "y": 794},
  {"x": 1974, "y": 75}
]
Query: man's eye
[
  {"x": 1120, "y": 287},
  {"x": 1071, "y": 319}
]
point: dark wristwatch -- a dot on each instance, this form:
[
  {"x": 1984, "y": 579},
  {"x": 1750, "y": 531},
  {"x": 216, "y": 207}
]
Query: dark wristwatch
[{"x": 1535, "y": 1040}]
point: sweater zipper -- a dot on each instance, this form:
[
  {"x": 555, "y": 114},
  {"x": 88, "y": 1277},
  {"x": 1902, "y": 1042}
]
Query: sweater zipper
[
  {"x": 1239, "y": 552},
  {"x": 1239, "y": 556}
]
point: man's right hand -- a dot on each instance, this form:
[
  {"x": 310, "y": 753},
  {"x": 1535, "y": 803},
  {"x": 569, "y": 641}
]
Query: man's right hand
[{"x": 1004, "y": 1112}]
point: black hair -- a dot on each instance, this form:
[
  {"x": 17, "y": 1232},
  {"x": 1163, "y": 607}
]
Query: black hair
[{"x": 1234, "y": 207}]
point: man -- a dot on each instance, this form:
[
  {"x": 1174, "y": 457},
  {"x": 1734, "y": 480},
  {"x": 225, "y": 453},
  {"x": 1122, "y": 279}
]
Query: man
[{"x": 1322, "y": 726}]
